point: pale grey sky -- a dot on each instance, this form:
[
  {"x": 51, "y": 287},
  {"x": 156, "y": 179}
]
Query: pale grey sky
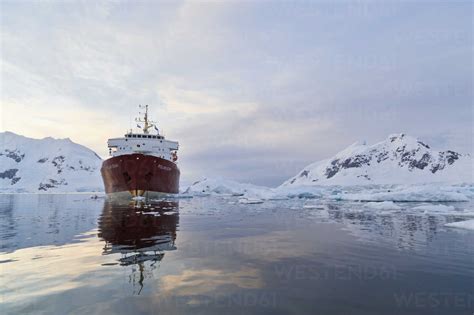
[{"x": 253, "y": 90}]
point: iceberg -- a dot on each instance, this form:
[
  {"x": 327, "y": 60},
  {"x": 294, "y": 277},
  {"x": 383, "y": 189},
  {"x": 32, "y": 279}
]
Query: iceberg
[
  {"x": 467, "y": 225},
  {"x": 412, "y": 193},
  {"x": 226, "y": 187},
  {"x": 383, "y": 197}
]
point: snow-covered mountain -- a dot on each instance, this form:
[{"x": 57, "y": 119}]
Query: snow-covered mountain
[
  {"x": 47, "y": 165},
  {"x": 400, "y": 159},
  {"x": 60, "y": 165}
]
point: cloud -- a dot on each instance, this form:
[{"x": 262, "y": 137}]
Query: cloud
[{"x": 253, "y": 91}]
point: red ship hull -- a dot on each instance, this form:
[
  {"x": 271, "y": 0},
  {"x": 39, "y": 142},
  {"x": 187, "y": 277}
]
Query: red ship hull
[{"x": 139, "y": 174}]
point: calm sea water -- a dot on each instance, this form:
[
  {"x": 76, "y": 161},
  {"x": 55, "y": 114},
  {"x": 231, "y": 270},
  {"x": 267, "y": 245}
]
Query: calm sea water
[{"x": 71, "y": 254}]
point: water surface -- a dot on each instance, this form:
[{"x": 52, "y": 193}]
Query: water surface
[{"x": 75, "y": 254}]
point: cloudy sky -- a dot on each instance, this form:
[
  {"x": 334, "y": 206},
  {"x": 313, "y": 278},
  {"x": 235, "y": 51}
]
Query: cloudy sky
[{"x": 253, "y": 90}]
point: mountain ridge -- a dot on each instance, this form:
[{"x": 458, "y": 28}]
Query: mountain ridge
[
  {"x": 399, "y": 159},
  {"x": 61, "y": 165},
  {"x": 47, "y": 165}
]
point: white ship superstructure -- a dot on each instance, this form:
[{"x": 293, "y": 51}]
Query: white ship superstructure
[{"x": 144, "y": 142}]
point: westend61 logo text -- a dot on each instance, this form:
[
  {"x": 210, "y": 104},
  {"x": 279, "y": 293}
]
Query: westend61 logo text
[
  {"x": 336, "y": 272},
  {"x": 436, "y": 300}
]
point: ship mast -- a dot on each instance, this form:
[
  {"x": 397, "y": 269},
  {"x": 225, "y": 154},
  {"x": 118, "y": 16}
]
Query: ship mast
[
  {"x": 147, "y": 123},
  {"x": 145, "y": 128}
]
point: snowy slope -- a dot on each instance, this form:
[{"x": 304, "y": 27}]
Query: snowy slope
[
  {"x": 400, "y": 159},
  {"x": 47, "y": 165}
]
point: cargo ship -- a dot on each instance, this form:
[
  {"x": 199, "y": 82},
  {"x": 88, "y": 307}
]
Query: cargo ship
[{"x": 141, "y": 164}]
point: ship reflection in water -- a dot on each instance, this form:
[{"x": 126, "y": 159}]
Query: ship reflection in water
[{"x": 141, "y": 233}]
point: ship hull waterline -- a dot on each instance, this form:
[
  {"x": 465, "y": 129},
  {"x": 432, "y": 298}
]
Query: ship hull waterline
[{"x": 133, "y": 175}]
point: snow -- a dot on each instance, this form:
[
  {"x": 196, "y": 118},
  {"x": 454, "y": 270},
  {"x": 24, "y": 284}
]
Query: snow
[
  {"x": 399, "y": 159},
  {"x": 47, "y": 165},
  {"x": 467, "y": 225}
]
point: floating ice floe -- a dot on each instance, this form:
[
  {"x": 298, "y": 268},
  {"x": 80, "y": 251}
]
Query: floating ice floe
[
  {"x": 310, "y": 207},
  {"x": 379, "y": 193},
  {"x": 467, "y": 225},
  {"x": 434, "y": 207},
  {"x": 314, "y": 206},
  {"x": 382, "y": 195},
  {"x": 170, "y": 213},
  {"x": 179, "y": 196},
  {"x": 431, "y": 193},
  {"x": 250, "y": 201},
  {"x": 384, "y": 205},
  {"x": 155, "y": 214},
  {"x": 226, "y": 187},
  {"x": 276, "y": 197}
]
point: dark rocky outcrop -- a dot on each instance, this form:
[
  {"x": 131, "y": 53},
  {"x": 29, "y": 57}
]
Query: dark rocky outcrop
[
  {"x": 15, "y": 155},
  {"x": 10, "y": 174}
]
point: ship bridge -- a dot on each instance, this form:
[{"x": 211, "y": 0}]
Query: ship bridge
[{"x": 144, "y": 142}]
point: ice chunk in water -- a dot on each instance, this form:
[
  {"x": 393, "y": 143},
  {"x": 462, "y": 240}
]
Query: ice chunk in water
[{"x": 467, "y": 225}]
